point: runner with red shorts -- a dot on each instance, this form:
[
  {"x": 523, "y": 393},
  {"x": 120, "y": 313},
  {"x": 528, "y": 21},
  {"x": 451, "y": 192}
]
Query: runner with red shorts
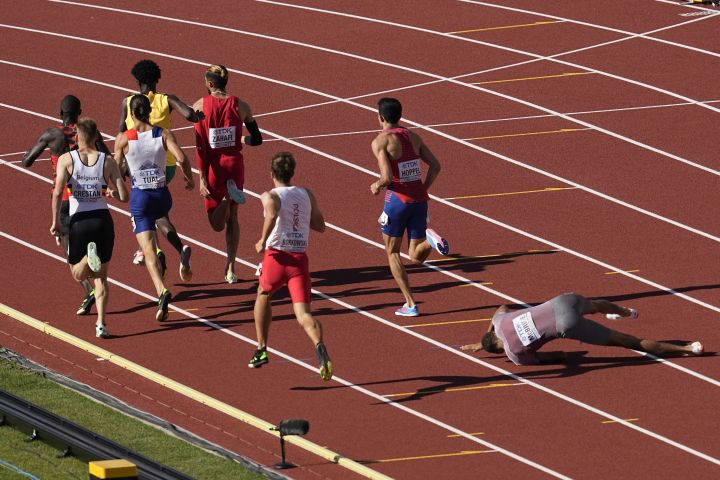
[
  {"x": 220, "y": 159},
  {"x": 400, "y": 154},
  {"x": 290, "y": 212},
  {"x": 60, "y": 140}
]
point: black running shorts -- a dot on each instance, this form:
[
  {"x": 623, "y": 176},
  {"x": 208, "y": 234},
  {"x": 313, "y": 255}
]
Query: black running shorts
[
  {"x": 93, "y": 226},
  {"x": 65, "y": 218}
]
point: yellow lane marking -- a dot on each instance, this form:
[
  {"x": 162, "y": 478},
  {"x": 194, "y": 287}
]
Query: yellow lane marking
[
  {"x": 454, "y": 435},
  {"x": 440, "y": 455},
  {"x": 624, "y": 419},
  {"x": 446, "y": 323},
  {"x": 457, "y": 389},
  {"x": 486, "y": 29},
  {"x": 191, "y": 393},
  {"x": 524, "y": 79},
  {"x": 186, "y": 309},
  {"x": 624, "y": 271},
  {"x": 542, "y": 190},
  {"x": 492, "y": 255},
  {"x": 527, "y": 134}
]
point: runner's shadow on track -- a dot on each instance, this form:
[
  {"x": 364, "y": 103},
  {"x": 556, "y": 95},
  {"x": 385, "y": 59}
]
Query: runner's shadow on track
[{"x": 655, "y": 293}]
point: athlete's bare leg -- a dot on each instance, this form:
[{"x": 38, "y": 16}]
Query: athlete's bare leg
[
  {"x": 232, "y": 238},
  {"x": 419, "y": 250},
  {"x": 219, "y": 216},
  {"x": 619, "y": 339},
  {"x": 84, "y": 283},
  {"x": 146, "y": 240},
  {"x": 392, "y": 248},
  {"x": 101, "y": 294},
  {"x": 604, "y": 306},
  {"x": 263, "y": 316},
  {"x": 312, "y": 327},
  {"x": 170, "y": 232}
]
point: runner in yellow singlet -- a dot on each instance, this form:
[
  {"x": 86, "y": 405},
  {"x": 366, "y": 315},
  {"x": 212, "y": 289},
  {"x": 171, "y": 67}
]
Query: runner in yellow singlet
[{"x": 147, "y": 73}]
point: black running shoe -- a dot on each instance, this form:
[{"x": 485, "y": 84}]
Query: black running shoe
[
  {"x": 163, "y": 263},
  {"x": 163, "y": 302},
  {"x": 326, "y": 369},
  {"x": 259, "y": 359},
  {"x": 86, "y": 304}
]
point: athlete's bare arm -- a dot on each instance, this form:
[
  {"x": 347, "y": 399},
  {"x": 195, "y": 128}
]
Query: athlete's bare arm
[
  {"x": 172, "y": 146},
  {"x": 255, "y": 138},
  {"x": 271, "y": 207},
  {"x": 46, "y": 140},
  {"x": 123, "y": 115},
  {"x": 113, "y": 177},
  {"x": 379, "y": 148},
  {"x": 191, "y": 114},
  {"x": 121, "y": 148},
  {"x": 61, "y": 179},
  {"x": 317, "y": 221},
  {"x": 426, "y": 156}
]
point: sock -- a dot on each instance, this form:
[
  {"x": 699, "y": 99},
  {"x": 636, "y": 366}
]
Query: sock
[{"x": 174, "y": 240}]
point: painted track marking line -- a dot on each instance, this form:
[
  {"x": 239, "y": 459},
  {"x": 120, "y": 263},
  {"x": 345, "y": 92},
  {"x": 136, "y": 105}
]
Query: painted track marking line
[
  {"x": 503, "y": 194},
  {"x": 455, "y": 389},
  {"x": 429, "y": 340},
  {"x": 441, "y": 78},
  {"x": 438, "y": 455},
  {"x": 525, "y": 79},
  {"x": 522, "y": 25},
  {"x": 527, "y": 134},
  {"x": 300, "y": 363},
  {"x": 451, "y": 274},
  {"x": 646, "y": 35},
  {"x": 178, "y": 387}
]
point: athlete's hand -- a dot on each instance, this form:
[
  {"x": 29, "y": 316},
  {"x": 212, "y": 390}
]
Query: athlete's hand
[
  {"x": 189, "y": 183},
  {"x": 374, "y": 188},
  {"x": 260, "y": 246},
  {"x": 473, "y": 347},
  {"x": 110, "y": 193},
  {"x": 203, "y": 188},
  {"x": 55, "y": 230}
]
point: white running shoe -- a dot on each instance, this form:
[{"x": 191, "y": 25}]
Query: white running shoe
[
  {"x": 92, "y": 257},
  {"x": 101, "y": 331},
  {"x": 697, "y": 348},
  {"x": 614, "y": 316},
  {"x": 235, "y": 193},
  {"x": 138, "y": 257},
  {"x": 437, "y": 242}
]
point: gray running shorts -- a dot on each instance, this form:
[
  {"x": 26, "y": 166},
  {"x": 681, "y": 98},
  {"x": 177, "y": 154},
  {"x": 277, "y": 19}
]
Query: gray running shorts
[{"x": 570, "y": 323}]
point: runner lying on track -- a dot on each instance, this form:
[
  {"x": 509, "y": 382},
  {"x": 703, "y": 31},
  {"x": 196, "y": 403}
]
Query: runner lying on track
[
  {"x": 61, "y": 140},
  {"x": 400, "y": 154},
  {"x": 521, "y": 333},
  {"x": 290, "y": 212},
  {"x": 220, "y": 159},
  {"x": 87, "y": 172},
  {"x": 147, "y": 73}
]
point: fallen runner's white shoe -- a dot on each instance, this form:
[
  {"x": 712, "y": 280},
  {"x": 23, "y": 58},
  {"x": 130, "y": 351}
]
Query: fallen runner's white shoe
[
  {"x": 697, "y": 348},
  {"x": 614, "y": 316}
]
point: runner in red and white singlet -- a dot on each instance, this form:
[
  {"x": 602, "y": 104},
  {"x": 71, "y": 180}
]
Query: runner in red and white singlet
[
  {"x": 290, "y": 213},
  {"x": 401, "y": 154},
  {"x": 219, "y": 141}
]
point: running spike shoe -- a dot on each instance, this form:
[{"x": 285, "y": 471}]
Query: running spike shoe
[
  {"x": 236, "y": 194},
  {"x": 93, "y": 260},
  {"x": 259, "y": 359},
  {"x": 437, "y": 242},
  {"x": 86, "y": 304},
  {"x": 163, "y": 303},
  {"x": 185, "y": 270},
  {"x": 326, "y": 368}
]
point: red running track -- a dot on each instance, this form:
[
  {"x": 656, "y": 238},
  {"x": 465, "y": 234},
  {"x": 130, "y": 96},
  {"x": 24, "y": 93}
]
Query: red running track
[{"x": 618, "y": 130}]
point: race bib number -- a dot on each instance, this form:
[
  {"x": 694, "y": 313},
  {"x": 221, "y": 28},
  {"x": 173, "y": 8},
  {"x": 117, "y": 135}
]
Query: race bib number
[
  {"x": 409, "y": 171},
  {"x": 525, "y": 328},
  {"x": 383, "y": 220},
  {"x": 222, "y": 137},
  {"x": 149, "y": 178}
]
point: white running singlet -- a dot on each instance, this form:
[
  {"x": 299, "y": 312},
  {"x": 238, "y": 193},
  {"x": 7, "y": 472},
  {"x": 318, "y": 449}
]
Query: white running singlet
[
  {"x": 292, "y": 228},
  {"x": 87, "y": 184}
]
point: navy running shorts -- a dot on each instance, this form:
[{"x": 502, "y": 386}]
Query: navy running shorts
[
  {"x": 146, "y": 206},
  {"x": 398, "y": 216}
]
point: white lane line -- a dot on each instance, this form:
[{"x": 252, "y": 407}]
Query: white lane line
[
  {"x": 410, "y": 122},
  {"x": 551, "y": 58},
  {"x": 645, "y": 35},
  {"x": 307, "y": 366},
  {"x": 440, "y": 345},
  {"x": 441, "y": 78}
]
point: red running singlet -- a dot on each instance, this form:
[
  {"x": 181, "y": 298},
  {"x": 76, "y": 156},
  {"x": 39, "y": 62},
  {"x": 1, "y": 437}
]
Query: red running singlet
[{"x": 407, "y": 171}]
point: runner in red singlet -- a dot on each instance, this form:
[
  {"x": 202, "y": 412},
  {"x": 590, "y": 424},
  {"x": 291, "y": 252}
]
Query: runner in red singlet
[
  {"x": 60, "y": 140},
  {"x": 220, "y": 160},
  {"x": 400, "y": 154}
]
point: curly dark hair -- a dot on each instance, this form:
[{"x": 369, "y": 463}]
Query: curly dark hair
[{"x": 146, "y": 72}]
